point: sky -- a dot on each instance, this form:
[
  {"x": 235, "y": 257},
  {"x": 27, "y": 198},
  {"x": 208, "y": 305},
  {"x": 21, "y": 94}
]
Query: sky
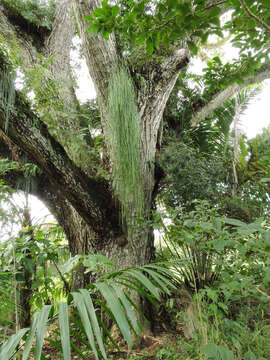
[{"x": 257, "y": 115}]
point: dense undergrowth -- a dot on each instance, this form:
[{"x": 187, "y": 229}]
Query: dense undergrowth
[{"x": 218, "y": 306}]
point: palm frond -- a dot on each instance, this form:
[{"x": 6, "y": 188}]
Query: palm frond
[{"x": 116, "y": 291}]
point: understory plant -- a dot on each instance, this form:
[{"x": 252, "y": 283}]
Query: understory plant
[
  {"x": 224, "y": 265},
  {"x": 113, "y": 294}
]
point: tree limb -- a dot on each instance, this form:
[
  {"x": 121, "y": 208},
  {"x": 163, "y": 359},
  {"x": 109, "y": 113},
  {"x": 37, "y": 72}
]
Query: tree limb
[
  {"x": 88, "y": 196},
  {"x": 152, "y": 99},
  {"x": 224, "y": 95},
  {"x": 253, "y": 16},
  {"x": 13, "y": 35},
  {"x": 100, "y": 54}
]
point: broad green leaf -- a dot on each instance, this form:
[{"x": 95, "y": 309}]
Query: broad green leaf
[
  {"x": 79, "y": 302},
  {"x": 249, "y": 356},
  {"x": 225, "y": 353},
  {"x": 219, "y": 245},
  {"x": 115, "y": 10},
  {"x": 30, "y": 337},
  {"x": 9, "y": 347},
  {"x": 233, "y": 221},
  {"x": 149, "y": 46},
  {"x": 214, "y": 352},
  {"x": 64, "y": 330},
  {"x": 117, "y": 310},
  {"x": 93, "y": 318},
  {"x": 41, "y": 328},
  {"x": 99, "y": 12}
]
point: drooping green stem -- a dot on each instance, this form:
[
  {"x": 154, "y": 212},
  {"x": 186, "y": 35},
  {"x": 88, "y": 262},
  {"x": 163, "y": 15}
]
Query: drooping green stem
[{"x": 124, "y": 122}]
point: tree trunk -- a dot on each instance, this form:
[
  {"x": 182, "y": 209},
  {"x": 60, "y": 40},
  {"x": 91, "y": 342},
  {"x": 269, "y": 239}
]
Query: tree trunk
[
  {"x": 85, "y": 205},
  {"x": 25, "y": 285},
  {"x": 134, "y": 246}
]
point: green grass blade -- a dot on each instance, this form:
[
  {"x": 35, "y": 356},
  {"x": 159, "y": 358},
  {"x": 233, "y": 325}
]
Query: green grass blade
[
  {"x": 41, "y": 328},
  {"x": 8, "y": 348},
  {"x": 78, "y": 351},
  {"x": 117, "y": 310},
  {"x": 79, "y": 302},
  {"x": 93, "y": 318},
  {"x": 30, "y": 337},
  {"x": 64, "y": 330}
]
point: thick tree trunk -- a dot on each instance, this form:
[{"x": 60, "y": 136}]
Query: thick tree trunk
[
  {"x": 135, "y": 245},
  {"x": 83, "y": 205}
]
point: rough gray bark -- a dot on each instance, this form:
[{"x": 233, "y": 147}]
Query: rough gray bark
[
  {"x": 30, "y": 40},
  {"x": 102, "y": 57}
]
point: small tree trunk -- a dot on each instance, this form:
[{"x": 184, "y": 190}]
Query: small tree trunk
[
  {"x": 235, "y": 143},
  {"x": 25, "y": 285}
]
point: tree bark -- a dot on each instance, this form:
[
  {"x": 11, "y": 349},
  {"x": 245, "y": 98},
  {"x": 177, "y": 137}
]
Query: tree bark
[
  {"x": 25, "y": 285},
  {"x": 136, "y": 244}
]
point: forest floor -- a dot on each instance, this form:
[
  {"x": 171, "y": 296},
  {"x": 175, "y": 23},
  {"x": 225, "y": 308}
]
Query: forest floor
[{"x": 148, "y": 349}]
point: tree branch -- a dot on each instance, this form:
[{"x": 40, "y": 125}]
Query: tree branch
[
  {"x": 223, "y": 95},
  {"x": 100, "y": 54},
  {"x": 12, "y": 33},
  {"x": 162, "y": 80},
  {"x": 89, "y": 197},
  {"x": 253, "y": 16}
]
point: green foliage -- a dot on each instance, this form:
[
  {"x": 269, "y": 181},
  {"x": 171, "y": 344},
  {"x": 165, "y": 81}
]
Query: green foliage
[
  {"x": 190, "y": 175},
  {"x": 214, "y": 352},
  {"x": 7, "y": 304},
  {"x": 155, "y": 25},
  {"x": 167, "y": 353},
  {"x": 159, "y": 25},
  {"x": 35, "y": 11},
  {"x": 116, "y": 289},
  {"x": 54, "y": 110},
  {"x": 35, "y": 250},
  {"x": 197, "y": 241},
  {"x": 125, "y": 140},
  {"x": 225, "y": 263}
]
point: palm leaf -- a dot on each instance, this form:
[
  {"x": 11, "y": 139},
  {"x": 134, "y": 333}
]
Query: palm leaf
[
  {"x": 138, "y": 275},
  {"x": 8, "y": 348},
  {"x": 93, "y": 318},
  {"x": 125, "y": 300},
  {"x": 79, "y": 302},
  {"x": 117, "y": 310},
  {"x": 41, "y": 328},
  {"x": 64, "y": 330},
  {"x": 116, "y": 289},
  {"x": 30, "y": 338}
]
